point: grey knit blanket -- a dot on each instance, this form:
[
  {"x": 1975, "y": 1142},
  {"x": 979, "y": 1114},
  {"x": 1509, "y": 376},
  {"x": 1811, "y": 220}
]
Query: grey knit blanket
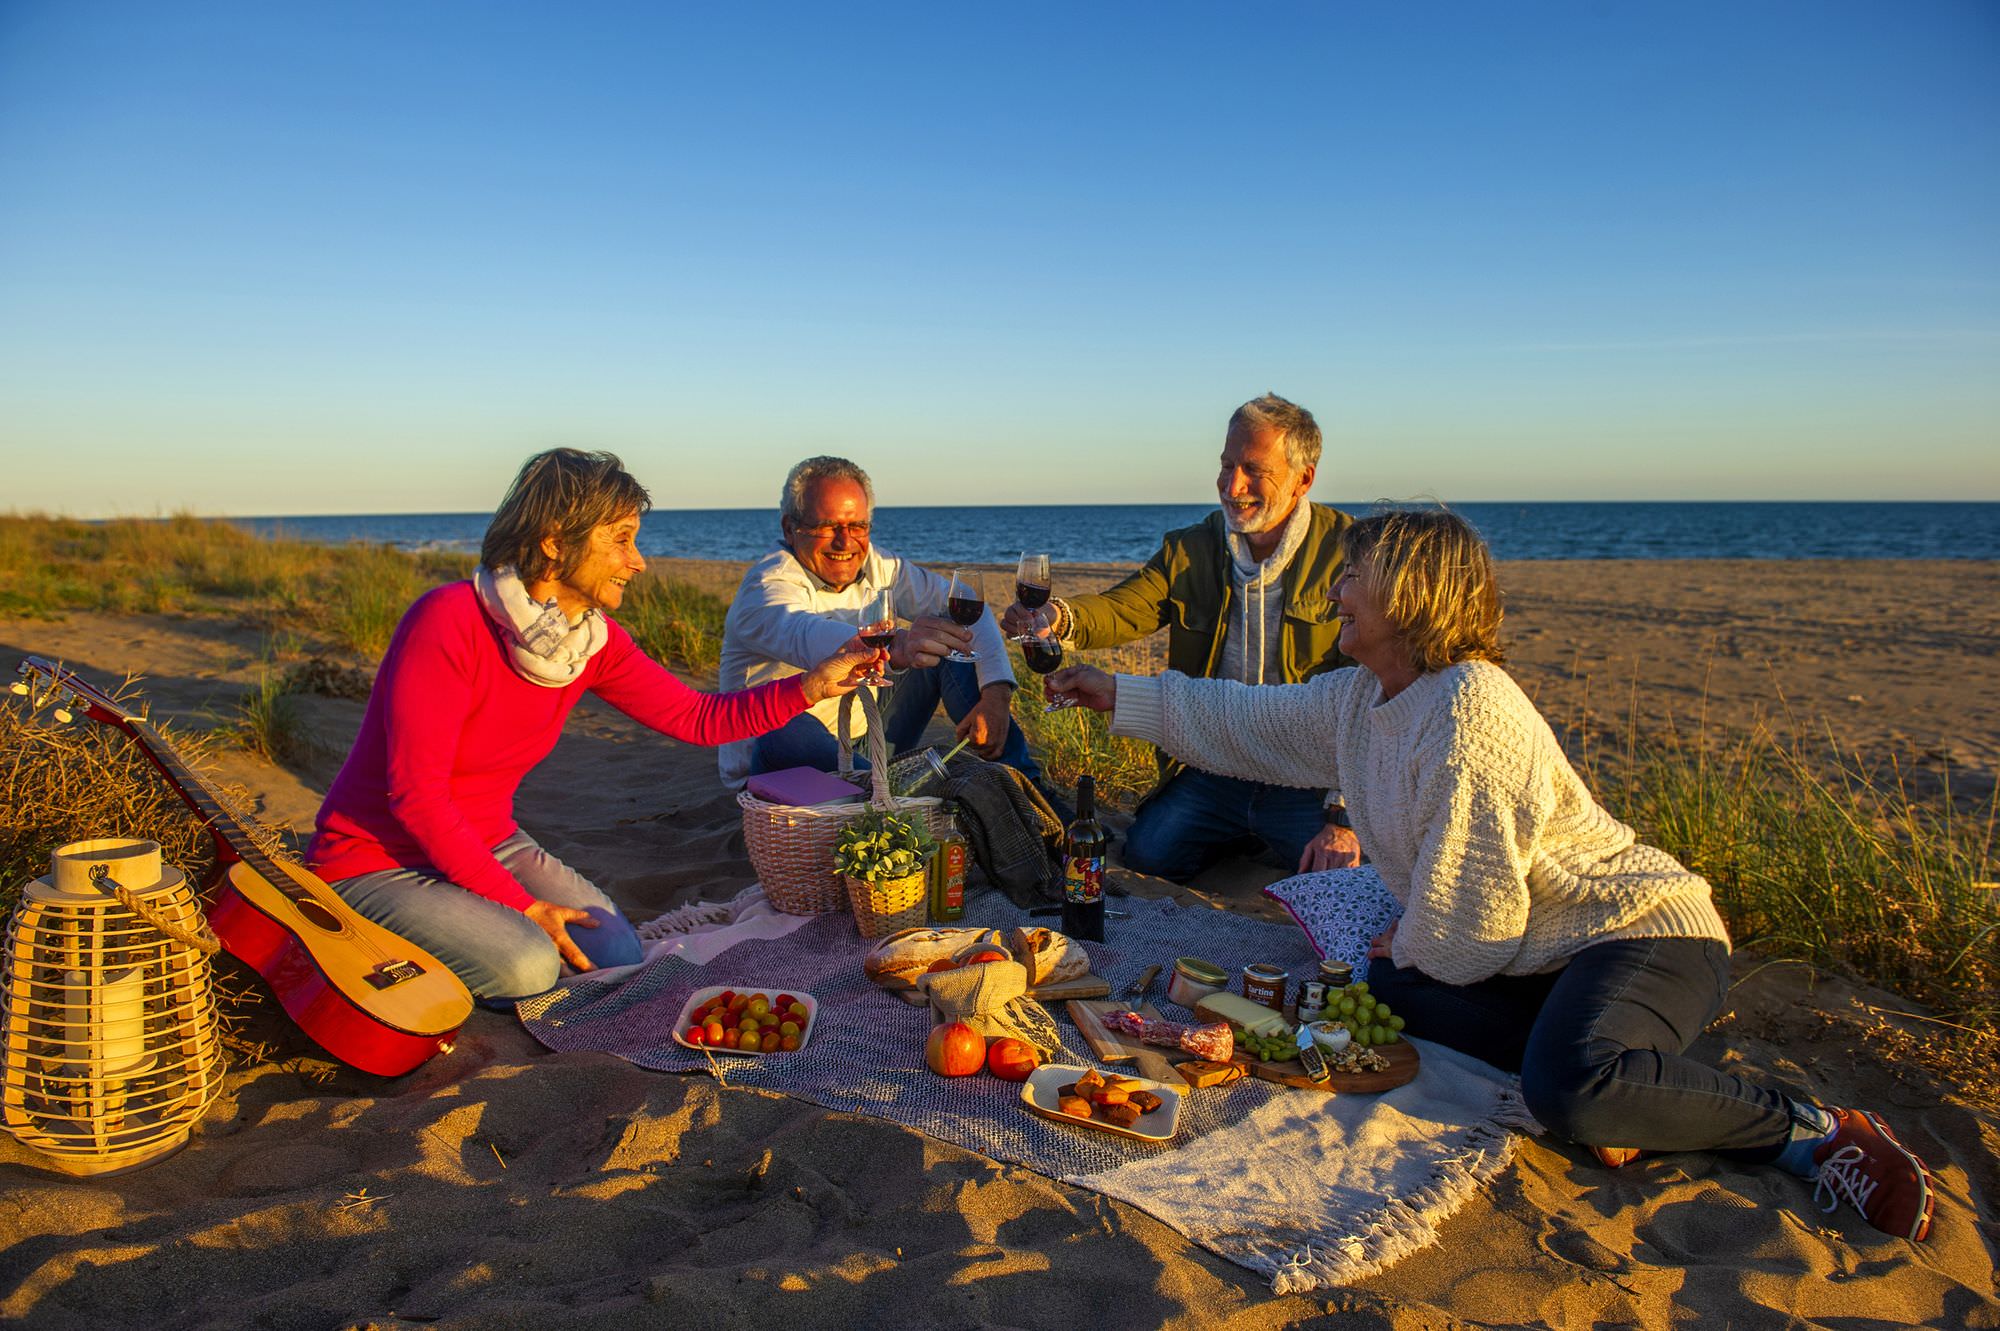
[{"x": 1307, "y": 1188}]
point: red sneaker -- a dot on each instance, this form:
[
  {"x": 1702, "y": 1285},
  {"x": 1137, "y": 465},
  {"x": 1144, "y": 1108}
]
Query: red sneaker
[{"x": 1864, "y": 1165}]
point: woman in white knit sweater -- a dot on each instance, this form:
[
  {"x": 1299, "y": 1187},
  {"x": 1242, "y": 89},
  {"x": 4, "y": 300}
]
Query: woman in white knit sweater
[{"x": 1537, "y": 932}]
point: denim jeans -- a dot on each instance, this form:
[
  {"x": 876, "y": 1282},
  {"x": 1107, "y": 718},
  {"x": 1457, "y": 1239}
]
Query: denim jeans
[
  {"x": 1188, "y": 823},
  {"x": 499, "y": 952},
  {"x": 907, "y": 708},
  {"x": 1600, "y": 1043}
]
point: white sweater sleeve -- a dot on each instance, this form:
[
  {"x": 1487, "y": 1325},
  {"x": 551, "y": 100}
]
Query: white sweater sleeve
[
  {"x": 1278, "y": 733},
  {"x": 1479, "y": 800}
]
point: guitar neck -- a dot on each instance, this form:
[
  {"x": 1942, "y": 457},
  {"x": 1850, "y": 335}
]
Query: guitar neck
[{"x": 232, "y": 835}]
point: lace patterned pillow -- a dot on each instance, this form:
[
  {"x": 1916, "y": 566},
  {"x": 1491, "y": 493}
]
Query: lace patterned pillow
[{"x": 1340, "y": 910}]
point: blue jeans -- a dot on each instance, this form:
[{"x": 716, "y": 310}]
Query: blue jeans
[
  {"x": 1188, "y": 823},
  {"x": 499, "y": 952},
  {"x": 907, "y": 708},
  {"x": 1600, "y": 1043}
]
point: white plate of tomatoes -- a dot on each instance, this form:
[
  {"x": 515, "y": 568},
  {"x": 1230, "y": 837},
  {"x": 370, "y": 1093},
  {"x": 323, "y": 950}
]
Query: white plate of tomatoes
[{"x": 746, "y": 1019}]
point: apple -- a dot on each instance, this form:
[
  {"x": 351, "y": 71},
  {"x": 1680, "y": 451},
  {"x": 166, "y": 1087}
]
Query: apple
[
  {"x": 955, "y": 1050},
  {"x": 1011, "y": 1060}
]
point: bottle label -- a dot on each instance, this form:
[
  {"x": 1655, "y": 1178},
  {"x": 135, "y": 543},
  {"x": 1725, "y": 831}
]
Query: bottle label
[
  {"x": 1083, "y": 879},
  {"x": 954, "y": 877}
]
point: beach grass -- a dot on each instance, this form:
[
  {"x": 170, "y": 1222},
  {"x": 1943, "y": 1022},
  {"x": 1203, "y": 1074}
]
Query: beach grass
[
  {"x": 1816, "y": 854},
  {"x": 1076, "y": 740},
  {"x": 269, "y": 722},
  {"x": 67, "y": 782},
  {"x": 351, "y": 594},
  {"x": 675, "y": 622}
]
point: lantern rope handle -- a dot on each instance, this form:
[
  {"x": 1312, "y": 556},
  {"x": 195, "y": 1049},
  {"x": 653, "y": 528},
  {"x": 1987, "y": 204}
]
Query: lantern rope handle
[{"x": 205, "y": 941}]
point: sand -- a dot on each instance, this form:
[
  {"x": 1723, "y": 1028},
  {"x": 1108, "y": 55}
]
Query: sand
[{"x": 501, "y": 1185}]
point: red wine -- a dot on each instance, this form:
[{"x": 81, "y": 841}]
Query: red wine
[
  {"x": 878, "y": 641},
  {"x": 1042, "y": 654},
  {"x": 966, "y": 610},
  {"x": 1083, "y": 868},
  {"x": 1031, "y": 595}
]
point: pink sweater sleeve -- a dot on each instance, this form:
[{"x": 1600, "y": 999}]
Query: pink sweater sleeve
[
  {"x": 430, "y": 701},
  {"x": 650, "y": 694}
]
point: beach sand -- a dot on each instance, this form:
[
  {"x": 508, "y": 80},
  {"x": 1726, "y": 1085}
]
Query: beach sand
[{"x": 502, "y": 1185}]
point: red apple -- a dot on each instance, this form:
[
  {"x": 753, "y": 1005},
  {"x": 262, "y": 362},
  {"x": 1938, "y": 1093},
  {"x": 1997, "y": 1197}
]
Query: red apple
[
  {"x": 955, "y": 1050},
  {"x": 1011, "y": 1060}
]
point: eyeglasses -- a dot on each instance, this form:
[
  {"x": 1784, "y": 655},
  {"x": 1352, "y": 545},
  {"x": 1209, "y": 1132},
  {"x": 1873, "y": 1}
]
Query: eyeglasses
[{"x": 825, "y": 531}]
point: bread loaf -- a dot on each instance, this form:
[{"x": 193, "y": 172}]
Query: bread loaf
[
  {"x": 899, "y": 959},
  {"x": 1049, "y": 956}
]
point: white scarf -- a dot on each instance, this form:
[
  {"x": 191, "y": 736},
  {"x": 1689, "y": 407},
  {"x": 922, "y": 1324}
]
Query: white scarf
[{"x": 543, "y": 646}]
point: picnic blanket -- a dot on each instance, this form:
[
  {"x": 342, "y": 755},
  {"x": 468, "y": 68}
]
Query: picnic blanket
[{"x": 1307, "y": 1188}]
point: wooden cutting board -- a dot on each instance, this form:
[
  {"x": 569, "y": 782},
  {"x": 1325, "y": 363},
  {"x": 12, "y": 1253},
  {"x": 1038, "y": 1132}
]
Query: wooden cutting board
[
  {"x": 1083, "y": 986},
  {"x": 1403, "y": 1066},
  {"x": 1115, "y": 1046},
  {"x": 1111, "y": 1046}
]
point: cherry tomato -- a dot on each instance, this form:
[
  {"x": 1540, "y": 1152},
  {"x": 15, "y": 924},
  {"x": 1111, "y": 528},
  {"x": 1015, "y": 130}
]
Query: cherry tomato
[{"x": 772, "y": 1042}]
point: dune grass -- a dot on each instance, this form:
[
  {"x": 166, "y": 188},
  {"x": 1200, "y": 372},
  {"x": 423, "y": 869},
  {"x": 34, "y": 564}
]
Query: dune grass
[
  {"x": 1074, "y": 741},
  {"x": 675, "y": 622},
  {"x": 68, "y": 782},
  {"x": 1815, "y": 855},
  {"x": 352, "y": 595}
]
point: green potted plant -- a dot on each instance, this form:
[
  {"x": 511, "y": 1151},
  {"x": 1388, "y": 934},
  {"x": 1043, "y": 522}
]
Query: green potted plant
[{"x": 883, "y": 856}]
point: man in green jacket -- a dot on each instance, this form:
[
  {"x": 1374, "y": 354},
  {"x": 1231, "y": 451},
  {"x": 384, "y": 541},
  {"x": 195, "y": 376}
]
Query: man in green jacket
[{"x": 1243, "y": 595}]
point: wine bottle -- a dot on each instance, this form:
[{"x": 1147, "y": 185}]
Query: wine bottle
[{"x": 1083, "y": 867}]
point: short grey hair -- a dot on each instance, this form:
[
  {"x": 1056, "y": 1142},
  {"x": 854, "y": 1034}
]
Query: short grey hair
[
  {"x": 792, "y": 502},
  {"x": 1294, "y": 424}
]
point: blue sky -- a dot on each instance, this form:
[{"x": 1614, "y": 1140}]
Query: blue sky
[{"x": 365, "y": 257}]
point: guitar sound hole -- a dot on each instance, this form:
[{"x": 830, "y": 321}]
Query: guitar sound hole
[{"x": 318, "y": 914}]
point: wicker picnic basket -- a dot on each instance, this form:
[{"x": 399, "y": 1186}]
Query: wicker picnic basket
[{"x": 791, "y": 846}]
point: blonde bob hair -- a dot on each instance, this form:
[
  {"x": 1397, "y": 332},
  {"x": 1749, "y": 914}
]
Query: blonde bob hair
[
  {"x": 564, "y": 493},
  {"x": 1433, "y": 578}
]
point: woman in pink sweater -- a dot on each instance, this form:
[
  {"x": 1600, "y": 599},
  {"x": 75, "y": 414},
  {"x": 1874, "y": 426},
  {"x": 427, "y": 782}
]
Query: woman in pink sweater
[{"x": 418, "y": 831}]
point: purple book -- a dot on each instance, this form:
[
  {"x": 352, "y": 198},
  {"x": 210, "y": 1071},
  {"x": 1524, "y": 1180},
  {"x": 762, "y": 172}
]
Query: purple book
[{"x": 803, "y": 785}]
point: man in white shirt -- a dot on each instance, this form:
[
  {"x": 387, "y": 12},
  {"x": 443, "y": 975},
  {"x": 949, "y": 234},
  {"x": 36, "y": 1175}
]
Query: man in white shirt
[{"x": 816, "y": 588}]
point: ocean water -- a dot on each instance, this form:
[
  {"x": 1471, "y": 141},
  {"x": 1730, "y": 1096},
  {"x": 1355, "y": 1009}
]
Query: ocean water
[{"x": 1105, "y": 533}]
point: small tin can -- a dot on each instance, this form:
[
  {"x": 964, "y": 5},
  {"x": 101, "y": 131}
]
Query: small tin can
[
  {"x": 1336, "y": 974},
  {"x": 1194, "y": 980},
  {"x": 1266, "y": 984}
]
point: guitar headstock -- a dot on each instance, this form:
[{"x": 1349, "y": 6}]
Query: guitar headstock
[{"x": 44, "y": 683}]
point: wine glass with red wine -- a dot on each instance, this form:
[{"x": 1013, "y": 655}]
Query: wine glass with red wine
[
  {"x": 878, "y": 629},
  {"x": 965, "y": 601},
  {"x": 1031, "y": 584}
]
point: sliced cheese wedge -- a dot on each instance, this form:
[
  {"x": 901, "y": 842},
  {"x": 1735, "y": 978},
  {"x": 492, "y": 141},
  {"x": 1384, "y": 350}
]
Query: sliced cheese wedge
[{"x": 1240, "y": 1011}]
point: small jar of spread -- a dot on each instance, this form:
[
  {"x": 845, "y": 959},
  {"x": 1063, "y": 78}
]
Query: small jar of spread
[
  {"x": 1312, "y": 1001},
  {"x": 1266, "y": 984},
  {"x": 1194, "y": 980}
]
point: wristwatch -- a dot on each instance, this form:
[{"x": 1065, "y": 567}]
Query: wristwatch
[{"x": 1336, "y": 816}]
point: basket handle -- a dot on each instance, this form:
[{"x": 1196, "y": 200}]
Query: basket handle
[
  {"x": 203, "y": 941},
  {"x": 878, "y": 745}
]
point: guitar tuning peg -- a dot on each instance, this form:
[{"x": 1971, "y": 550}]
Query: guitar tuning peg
[
  {"x": 18, "y": 688},
  {"x": 63, "y": 715}
]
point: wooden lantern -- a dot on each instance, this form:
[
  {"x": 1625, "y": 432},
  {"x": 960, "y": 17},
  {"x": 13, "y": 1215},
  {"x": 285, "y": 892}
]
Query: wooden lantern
[{"x": 107, "y": 1010}]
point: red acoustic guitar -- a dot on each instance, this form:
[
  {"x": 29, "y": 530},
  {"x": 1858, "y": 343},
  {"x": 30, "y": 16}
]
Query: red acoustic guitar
[{"x": 370, "y": 998}]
